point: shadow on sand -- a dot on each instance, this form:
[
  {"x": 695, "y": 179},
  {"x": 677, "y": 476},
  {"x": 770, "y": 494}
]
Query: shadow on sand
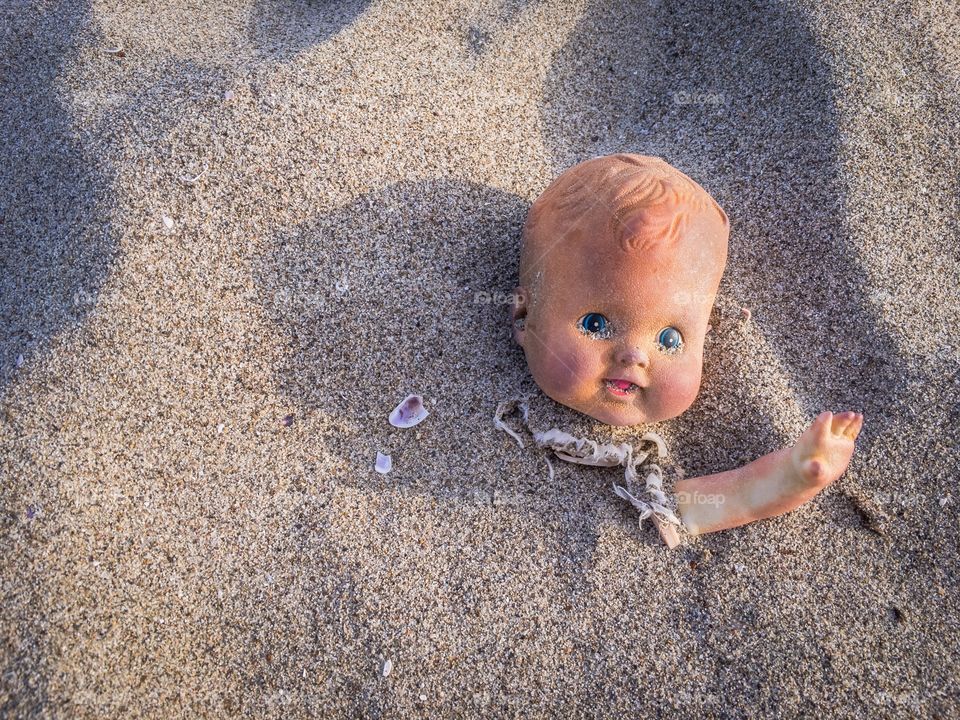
[
  {"x": 55, "y": 239},
  {"x": 282, "y": 28}
]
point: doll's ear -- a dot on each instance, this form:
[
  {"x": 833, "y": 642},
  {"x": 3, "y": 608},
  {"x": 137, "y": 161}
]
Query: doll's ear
[{"x": 518, "y": 314}]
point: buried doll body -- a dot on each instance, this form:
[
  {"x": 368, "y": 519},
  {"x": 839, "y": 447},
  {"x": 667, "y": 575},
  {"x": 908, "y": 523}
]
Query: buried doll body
[{"x": 620, "y": 264}]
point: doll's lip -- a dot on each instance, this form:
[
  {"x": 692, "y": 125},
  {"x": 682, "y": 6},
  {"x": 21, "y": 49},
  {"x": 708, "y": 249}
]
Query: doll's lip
[{"x": 621, "y": 387}]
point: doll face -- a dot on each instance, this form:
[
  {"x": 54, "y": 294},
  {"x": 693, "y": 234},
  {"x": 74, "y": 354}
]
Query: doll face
[{"x": 618, "y": 334}]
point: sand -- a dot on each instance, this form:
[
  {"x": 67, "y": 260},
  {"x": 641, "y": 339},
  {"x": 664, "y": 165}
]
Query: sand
[{"x": 174, "y": 546}]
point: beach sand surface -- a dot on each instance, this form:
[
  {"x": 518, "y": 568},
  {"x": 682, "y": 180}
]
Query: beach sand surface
[{"x": 235, "y": 235}]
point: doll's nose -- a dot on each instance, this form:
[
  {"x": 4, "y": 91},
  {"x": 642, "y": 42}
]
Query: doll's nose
[{"x": 633, "y": 356}]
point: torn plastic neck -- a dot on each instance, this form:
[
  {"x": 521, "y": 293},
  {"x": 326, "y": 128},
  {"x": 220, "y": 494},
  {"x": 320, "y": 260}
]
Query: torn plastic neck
[{"x": 650, "y": 502}]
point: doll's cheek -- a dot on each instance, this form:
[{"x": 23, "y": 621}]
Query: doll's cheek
[
  {"x": 564, "y": 371},
  {"x": 678, "y": 389}
]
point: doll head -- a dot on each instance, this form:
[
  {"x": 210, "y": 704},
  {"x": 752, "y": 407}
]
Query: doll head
[{"x": 619, "y": 266}]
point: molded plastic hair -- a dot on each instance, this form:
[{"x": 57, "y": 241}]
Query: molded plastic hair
[{"x": 648, "y": 201}]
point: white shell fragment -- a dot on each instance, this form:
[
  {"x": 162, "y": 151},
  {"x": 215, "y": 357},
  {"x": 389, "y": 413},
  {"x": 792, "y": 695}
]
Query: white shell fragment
[
  {"x": 20, "y": 360},
  {"x": 384, "y": 463},
  {"x": 192, "y": 180},
  {"x": 229, "y": 95},
  {"x": 116, "y": 50},
  {"x": 168, "y": 222},
  {"x": 408, "y": 413},
  {"x": 387, "y": 667}
]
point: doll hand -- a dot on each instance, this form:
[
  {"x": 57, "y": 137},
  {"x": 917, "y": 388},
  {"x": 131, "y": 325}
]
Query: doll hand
[
  {"x": 774, "y": 484},
  {"x": 823, "y": 452}
]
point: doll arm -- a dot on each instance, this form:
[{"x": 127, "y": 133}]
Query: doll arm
[{"x": 773, "y": 484}]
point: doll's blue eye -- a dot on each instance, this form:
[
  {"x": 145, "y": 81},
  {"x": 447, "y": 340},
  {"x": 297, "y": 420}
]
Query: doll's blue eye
[
  {"x": 670, "y": 339},
  {"x": 593, "y": 323}
]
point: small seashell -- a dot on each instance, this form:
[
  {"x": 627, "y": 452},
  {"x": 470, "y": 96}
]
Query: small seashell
[
  {"x": 20, "y": 361},
  {"x": 387, "y": 667},
  {"x": 117, "y": 51},
  {"x": 219, "y": 428},
  {"x": 229, "y": 95},
  {"x": 384, "y": 463},
  {"x": 745, "y": 311},
  {"x": 168, "y": 222},
  {"x": 408, "y": 413}
]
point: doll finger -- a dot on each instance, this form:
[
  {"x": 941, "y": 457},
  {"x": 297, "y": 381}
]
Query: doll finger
[
  {"x": 821, "y": 425},
  {"x": 853, "y": 430},
  {"x": 842, "y": 421}
]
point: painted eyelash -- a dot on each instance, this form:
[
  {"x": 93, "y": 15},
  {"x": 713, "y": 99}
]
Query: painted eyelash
[{"x": 602, "y": 335}]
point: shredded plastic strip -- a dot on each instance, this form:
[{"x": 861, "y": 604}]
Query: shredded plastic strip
[
  {"x": 583, "y": 451},
  {"x": 549, "y": 468},
  {"x": 504, "y": 408}
]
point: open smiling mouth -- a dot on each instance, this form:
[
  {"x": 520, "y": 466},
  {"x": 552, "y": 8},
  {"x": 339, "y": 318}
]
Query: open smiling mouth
[{"x": 621, "y": 388}]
